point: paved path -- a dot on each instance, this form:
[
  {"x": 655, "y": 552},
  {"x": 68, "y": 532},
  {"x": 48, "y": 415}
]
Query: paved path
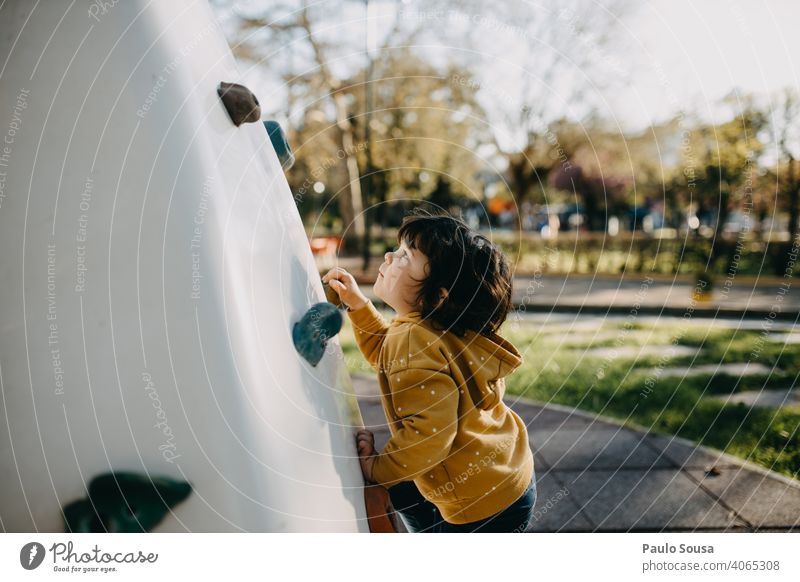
[{"x": 595, "y": 475}]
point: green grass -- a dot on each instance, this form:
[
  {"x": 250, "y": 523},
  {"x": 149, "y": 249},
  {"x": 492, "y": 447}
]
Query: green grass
[{"x": 685, "y": 406}]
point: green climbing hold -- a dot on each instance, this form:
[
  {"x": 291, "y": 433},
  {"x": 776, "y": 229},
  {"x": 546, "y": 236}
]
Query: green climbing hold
[
  {"x": 280, "y": 143},
  {"x": 123, "y": 502},
  {"x": 311, "y": 334}
]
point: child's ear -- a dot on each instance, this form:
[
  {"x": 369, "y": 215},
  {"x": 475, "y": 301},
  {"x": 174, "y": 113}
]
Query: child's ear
[{"x": 443, "y": 294}]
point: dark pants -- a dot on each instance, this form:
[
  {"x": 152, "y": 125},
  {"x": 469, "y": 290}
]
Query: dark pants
[{"x": 420, "y": 515}]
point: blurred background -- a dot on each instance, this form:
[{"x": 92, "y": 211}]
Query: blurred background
[
  {"x": 656, "y": 136},
  {"x": 638, "y": 162}
]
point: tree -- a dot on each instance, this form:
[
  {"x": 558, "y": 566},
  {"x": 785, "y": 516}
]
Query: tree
[
  {"x": 595, "y": 164},
  {"x": 784, "y": 133},
  {"x": 312, "y": 68},
  {"x": 421, "y": 128},
  {"x": 566, "y": 60},
  {"x": 421, "y": 123},
  {"x": 727, "y": 155}
]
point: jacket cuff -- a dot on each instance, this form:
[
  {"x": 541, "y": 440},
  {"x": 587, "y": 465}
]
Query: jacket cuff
[
  {"x": 366, "y": 318},
  {"x": 382, "y": 472}
]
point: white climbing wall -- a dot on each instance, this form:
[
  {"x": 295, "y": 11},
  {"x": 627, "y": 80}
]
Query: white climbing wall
[{"x": 153, "y": 264}]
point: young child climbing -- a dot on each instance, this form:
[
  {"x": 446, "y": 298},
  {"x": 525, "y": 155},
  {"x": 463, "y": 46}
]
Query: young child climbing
[{"x": 458, "y": 459}]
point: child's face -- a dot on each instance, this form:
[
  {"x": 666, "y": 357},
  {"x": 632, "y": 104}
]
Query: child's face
[{"x": 396, "y": 283}]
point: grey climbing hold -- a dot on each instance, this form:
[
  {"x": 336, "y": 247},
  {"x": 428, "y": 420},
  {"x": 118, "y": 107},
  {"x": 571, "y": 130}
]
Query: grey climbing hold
[
  {"x": 124, "y": 502},
  {"x": 311, "y": 334},
  {"x": 239, "y": 101},
  {"x": 280, "y": 143}
]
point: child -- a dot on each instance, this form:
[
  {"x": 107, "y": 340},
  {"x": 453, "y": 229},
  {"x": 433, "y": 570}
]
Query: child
[{"x": 458, "y": 458}]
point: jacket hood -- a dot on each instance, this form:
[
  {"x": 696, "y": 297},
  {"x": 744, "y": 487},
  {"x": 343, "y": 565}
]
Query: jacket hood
[
  {"x": 498, "y": 350},
  {"x": 488, "y": 357}
]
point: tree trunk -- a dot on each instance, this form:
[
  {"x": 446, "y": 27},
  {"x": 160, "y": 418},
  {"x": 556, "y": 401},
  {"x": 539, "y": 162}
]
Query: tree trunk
[
  {"x": 794, "y": 201},
  {"x": 350, "y": 205},
  {"x": 722, "y": 218},
  {"x": 520, "y": 185}
]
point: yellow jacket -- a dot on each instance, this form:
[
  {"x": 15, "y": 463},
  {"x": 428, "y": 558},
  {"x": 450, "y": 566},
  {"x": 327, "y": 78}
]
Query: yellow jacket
[{"x": 451, "y": 432}]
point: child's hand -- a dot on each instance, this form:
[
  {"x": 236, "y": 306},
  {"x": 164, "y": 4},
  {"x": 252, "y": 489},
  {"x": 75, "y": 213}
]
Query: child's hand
[
  {"x": 365, "y": 443},
  {"x": 345, "y": 285}
]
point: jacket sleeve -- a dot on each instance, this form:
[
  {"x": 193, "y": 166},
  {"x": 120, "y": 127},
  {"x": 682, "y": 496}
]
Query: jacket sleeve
[
  {"x": 369, "y": 328},
  {"x": 425, "y": 403}
]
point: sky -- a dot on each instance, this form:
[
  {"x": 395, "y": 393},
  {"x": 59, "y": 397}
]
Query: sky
[{"x": 694, "y": 52}]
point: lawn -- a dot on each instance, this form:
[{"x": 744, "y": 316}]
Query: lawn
[{"x": 557, "y": 368}]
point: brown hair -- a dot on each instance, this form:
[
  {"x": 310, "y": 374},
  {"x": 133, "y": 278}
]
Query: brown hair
[{"x": 474, "y": 272}]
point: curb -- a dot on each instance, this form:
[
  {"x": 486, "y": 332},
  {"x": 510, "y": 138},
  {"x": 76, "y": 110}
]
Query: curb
[{"x": 718, "y": 312}]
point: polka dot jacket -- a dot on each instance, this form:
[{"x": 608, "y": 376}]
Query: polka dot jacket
[{"x": 451, "y": 431}]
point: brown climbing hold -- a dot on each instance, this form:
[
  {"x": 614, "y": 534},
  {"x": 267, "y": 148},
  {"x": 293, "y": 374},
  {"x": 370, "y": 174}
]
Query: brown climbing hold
[
  {"x": 239, "y": 101},
  {"x": 381, "y": 516},
  {"x": 331, "y": 295}
]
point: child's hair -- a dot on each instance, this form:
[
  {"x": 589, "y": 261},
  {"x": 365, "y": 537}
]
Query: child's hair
[{"x": 474, "y": 272}]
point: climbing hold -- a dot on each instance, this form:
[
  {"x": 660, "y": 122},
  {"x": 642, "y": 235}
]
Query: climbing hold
[
  {"x": 331, "y": 295},
  {"x": 280, "y": 143},
  {"x": 239, "y": 101},
  {"x": 381, "y": 516},
  {"x": 311, "y": 334},
  {"x": 124, "y": 502}
]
